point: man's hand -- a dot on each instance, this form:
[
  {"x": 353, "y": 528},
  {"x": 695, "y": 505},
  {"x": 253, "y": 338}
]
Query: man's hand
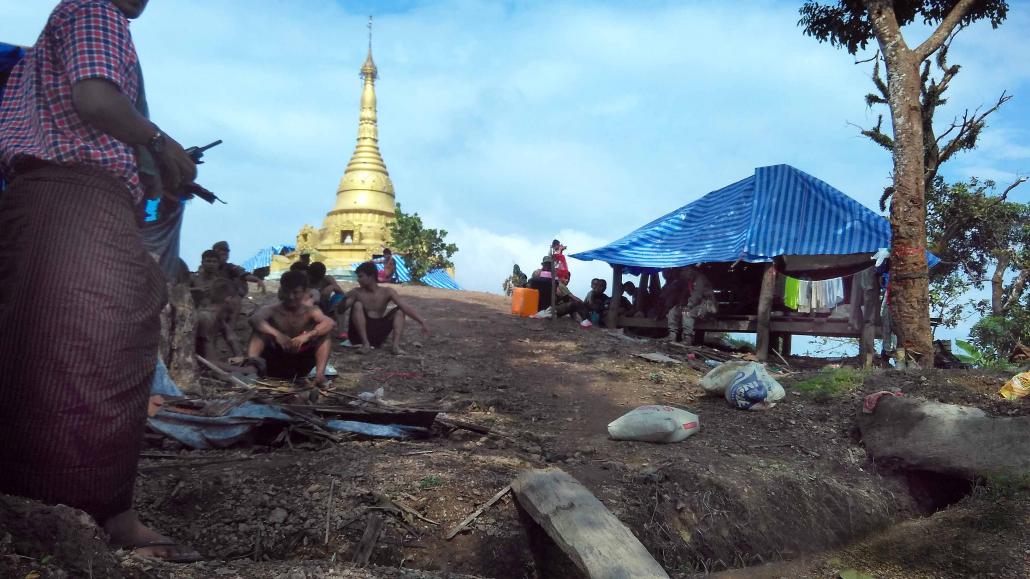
[
  {"x": 177, "y": 167},
  {"x": 425, "y": 329},
  {"x": 283, "y": 340},
  {"x": 298, "y": 342},
  {"x": 236, "y": 360}
]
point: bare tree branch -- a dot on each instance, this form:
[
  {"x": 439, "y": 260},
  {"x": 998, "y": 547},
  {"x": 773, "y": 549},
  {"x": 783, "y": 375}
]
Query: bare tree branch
[
  {"x": 1016, "y": 291},
  {"x": 969, "y": 128},
  {"x": 1004, "y": 194},
  {"x": 944, "y": 29}
]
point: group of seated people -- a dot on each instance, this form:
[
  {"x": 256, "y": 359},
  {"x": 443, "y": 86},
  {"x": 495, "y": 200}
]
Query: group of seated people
[
  {"x": 292, "y": 336},
  {"x": 686, "y": 296}
]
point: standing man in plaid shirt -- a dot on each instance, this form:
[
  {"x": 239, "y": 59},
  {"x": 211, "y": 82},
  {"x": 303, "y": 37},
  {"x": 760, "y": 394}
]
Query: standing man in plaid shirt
[{"x": 80, "y": 299}]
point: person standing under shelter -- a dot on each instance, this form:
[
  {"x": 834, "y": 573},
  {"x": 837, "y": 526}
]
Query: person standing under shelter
[
  {"x": 81, "y": 298},
  {"x": 696, "y": 300},
  {"x": 561, "y": 265}
]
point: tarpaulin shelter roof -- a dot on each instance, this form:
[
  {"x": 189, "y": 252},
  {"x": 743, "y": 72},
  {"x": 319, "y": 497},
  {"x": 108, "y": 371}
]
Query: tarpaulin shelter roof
[
  {"x": 778, "y": 211},
  {"x": 10, "y": 54},
  {"x": 263, "y": 258}
]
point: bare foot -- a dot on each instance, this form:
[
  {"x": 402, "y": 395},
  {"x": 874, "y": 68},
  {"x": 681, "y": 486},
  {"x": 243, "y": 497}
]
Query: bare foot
[
  {"x": 127, "y": 532},
  {"x": 397, "y": 350},
  {"x": 365, "y": 350}
]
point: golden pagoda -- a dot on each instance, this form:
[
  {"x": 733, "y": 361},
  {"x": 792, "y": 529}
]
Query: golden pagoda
[{"x": 358, "y": 224}]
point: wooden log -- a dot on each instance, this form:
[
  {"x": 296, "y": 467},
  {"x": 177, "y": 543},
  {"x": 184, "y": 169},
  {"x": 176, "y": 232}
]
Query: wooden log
[
  {"x": 177, "y": 337},
  {"x": 870, "y": 304},
  {"x": 363, "y": 552},
  {"x": 563, "y": 517},
  {"x": 613, "y": 311},
  {"x": 765, "y": 298},
  {"x": 913, "y": 434}
]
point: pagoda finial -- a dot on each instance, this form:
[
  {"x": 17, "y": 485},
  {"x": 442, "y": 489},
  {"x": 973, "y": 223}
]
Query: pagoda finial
[{"x": 368, "y": 70}]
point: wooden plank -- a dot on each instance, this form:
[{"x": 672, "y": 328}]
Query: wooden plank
[
  {"x": 363, "y": 552},
  {"x": 765, "y": 298},
  {"x": 625, "y": 322},
  {"x": 460, "y": 526},
  {"x": 586, "y": 532},
  {"x": 613, "y": 310}
]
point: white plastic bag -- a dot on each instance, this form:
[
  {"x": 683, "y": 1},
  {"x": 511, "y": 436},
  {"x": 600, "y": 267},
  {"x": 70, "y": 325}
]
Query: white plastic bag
[
  {"x": 752, "y": 388},
  {"x": 655, "y": 424},
  {"x": 717, "y": 380}
]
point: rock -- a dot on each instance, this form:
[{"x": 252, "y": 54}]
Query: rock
[
  {"x": 278, "y": 515},
  {"x": 963, "y": 441}
]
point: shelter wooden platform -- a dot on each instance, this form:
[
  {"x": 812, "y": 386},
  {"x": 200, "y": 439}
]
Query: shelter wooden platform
[{"x": 774, "y": 329}]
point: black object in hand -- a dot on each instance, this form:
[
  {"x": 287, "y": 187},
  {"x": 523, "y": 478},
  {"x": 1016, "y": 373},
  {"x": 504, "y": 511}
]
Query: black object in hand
[{"x": 196, "y": 153}]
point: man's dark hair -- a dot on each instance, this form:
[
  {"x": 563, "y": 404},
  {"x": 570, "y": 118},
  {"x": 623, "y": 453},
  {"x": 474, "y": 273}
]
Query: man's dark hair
[
  {"x": 316, "y": 271},
  {"x": 299, "y": 266},
  {"x": 386, "y": 251},
  {"x": 628, "y": 286},
  {"x": 368, "y": 268},
  {"x": 292, "y": 280},
  {"x": 221, "y": 289},
  {"x": 209, "y": 254},
  {"x": 220, "y": 245}
]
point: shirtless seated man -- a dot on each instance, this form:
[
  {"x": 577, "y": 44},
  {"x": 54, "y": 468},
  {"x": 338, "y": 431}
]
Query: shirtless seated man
[
  {"x": 370, "y": 320},
  {"x": 290, "y": 335}
]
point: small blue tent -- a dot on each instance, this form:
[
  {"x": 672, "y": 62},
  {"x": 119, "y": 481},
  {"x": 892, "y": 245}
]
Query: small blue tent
[{"x": 779, "y": 213}]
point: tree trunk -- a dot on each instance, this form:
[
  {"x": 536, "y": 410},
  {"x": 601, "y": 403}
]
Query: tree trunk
[
  {"x": 177, "y": 337},
  {"x": 998, "y": 286},
  {"x": 909, "y": 282}
]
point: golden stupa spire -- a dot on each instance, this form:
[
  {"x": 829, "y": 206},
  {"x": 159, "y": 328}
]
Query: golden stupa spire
[{"x": 366, "y": 185}]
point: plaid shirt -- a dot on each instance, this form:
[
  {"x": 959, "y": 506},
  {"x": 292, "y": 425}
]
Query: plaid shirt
[{"x": 83, "y": 39}]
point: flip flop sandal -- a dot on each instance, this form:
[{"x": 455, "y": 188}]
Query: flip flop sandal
[{"x": 188, "y": 557}]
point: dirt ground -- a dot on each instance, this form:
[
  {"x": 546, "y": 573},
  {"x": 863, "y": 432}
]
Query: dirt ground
[{"x": 787, "y": 492}]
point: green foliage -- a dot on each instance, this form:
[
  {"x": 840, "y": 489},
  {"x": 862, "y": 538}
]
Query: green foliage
[
  {"x": 845, "y": 23},
  {"x": 947, "y": 299},
  {"x": 429, "y": 482},
  {"x": 996, "y": 336},
  {"x": 740, "y": 344},
  {"x": 832, "y": 382},
  {"x": 423, "y": 249},
  {"x": 970, "y": 227}
]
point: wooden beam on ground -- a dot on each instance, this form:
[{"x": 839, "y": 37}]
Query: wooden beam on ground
[
  {"x": 613, "y": 310},
  {"x": 363, "y": 552},
  {"x": 765, "y": 298},
  {"x": 573, "y": 535}
]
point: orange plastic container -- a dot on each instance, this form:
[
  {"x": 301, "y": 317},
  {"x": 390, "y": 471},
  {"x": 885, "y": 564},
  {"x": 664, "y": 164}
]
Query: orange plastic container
[{"x": 524, "y": 301}]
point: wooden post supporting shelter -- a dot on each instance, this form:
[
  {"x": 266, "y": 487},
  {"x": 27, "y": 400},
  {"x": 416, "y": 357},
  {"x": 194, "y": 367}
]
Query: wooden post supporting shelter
[
  {"x": 765, "y": 298},
  {"x": 613, "y": 310},
  {"x": 573, "y": 535}
]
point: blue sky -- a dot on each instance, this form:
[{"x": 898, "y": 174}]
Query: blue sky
[{"x": 510, "y": 123}]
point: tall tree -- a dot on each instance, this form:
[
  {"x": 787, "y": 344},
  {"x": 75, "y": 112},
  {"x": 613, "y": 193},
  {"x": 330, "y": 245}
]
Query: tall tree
[
  {"x": 852, "y": 24},
  {"x": 423, "y": 249}
]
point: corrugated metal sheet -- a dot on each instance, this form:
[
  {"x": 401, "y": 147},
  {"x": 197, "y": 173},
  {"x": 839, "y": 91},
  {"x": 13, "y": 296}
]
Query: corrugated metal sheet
[{"x": 779, "y": 210}]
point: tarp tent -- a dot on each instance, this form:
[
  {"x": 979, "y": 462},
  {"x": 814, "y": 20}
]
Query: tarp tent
[
  {"x": 437, "y": 278},
  {"x": 779, "y": 212}
]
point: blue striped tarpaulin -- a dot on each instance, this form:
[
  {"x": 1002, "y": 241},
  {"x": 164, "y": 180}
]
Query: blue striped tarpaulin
[
  {"x": 437, "y": 278},
  {"x": 263, "y": 258},
  {"x": 779, "y": 210}
]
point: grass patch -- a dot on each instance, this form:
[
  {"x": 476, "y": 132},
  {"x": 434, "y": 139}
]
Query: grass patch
[
  {"x": 831, "y": 382},
  {"x": 429, "y": 482}
]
